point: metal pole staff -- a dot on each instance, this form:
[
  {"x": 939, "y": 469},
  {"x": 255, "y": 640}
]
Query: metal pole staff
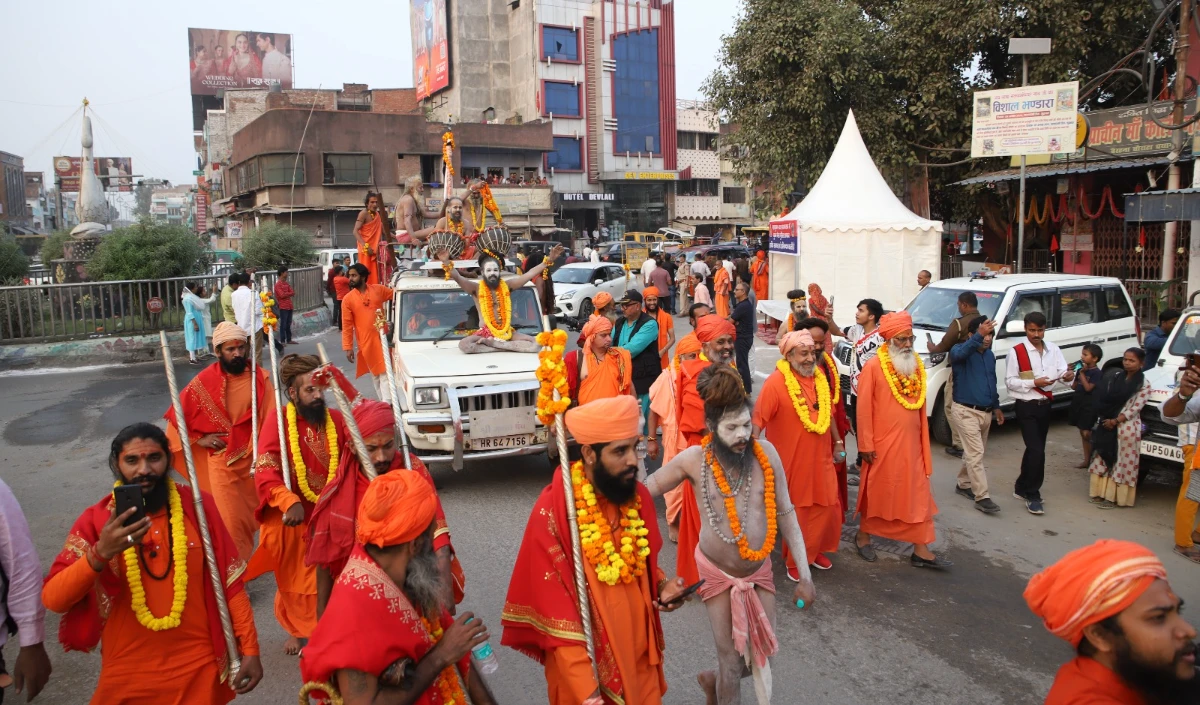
[
  {"x": 1021, "y": 202},
  {"x": 360, "y": 448},
  {"x": 210, "y": 556},
  {"x": 280, "y": 398},
  {"x": 254, "y": 307},
  {"x": 393, "y": 387}
]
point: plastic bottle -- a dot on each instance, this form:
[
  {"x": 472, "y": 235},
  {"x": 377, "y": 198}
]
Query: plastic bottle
[{"x": 484, "y": 657}]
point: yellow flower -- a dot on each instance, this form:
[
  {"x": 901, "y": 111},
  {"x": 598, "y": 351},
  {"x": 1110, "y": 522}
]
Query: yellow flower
[
  {"x": 800, "y": 404},
  {"x": 179, "y": 550}
]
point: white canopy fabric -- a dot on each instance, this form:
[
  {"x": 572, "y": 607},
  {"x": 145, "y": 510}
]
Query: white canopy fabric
[{"x": 856, "y": 239}]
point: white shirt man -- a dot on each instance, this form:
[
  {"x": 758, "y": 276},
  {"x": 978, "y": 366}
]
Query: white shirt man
[
  {"x": 1049, "y": 363},
  {"x": 247, "y": 309},
  {"x": 728, "y": 265},
  {"x": 276, "y": 66},
  {"x": 22, "y": 586},
  {"x": 700, "y": 269},
  {"x": 647, "y": 267},
  {"x": 595, "y": 257},
  {"x": 587, "y": 253}
]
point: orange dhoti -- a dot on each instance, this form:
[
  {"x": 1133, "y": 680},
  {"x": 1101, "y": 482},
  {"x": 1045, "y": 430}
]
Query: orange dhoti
[
  {"x": 372, "y": 237},
  {"x": 690, "y": 410}
]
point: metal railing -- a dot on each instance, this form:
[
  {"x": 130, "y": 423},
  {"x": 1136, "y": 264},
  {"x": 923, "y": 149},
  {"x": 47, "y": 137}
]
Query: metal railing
[
  {"x": 1147, "y": 295},
  {"x": 40, "y": 313}
]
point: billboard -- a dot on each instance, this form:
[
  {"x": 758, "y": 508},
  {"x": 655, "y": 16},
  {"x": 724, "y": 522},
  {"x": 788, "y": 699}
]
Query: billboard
[
  {"x": 1124, "y": 133},
  {"x": 114, "y": 172},
  {"x": 231, "y": 58},
  {"x": 431, "y": 47},
  {"x": 1025, "y": 120}
]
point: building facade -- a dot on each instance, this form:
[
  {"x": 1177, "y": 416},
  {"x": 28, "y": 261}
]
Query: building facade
[
  {"x": 12, "y": 192},
  {"x": 39, "y": 203},
  {"x": 174, "y": 206}
]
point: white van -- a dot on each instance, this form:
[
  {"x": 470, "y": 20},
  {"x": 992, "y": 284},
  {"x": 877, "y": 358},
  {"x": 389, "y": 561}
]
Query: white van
[
  {"x": 326, "y": 257},
  {"x": 1160, "y": 440},
  {"x": 1079, "y": 310}
]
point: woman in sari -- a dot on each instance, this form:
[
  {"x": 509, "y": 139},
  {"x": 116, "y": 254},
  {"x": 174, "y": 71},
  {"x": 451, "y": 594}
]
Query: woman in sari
[
  {"x": 194, "y": 333},
  {"x": 818, "y": 307},
  {"x": 243, "y": 63},
  {"x": 1116, "y": 439}
]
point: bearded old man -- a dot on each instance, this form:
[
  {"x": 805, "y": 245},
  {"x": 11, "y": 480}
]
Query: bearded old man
[
  {"x": 452, "y": 220},
  {"x": 734, "y": 551},
  {"x": 795, "y": 411},
  {"x": 216, "y": 406},
  {"x": 144, "y": 589},
  {"x": 373, "y": 233},
  {"x": 664, "y": 397},
  {"x": 626, "y": 589},
  {"x": 496, "y": 333},
  {"x": 387, "y": 634},
  {"x": 333, "y": 518},
  {"x": 314, "y": 439},
  {"x": 1111, "y": 601},
  {"x": 895, "y": 500},
  {"x": 597, "y": 370}
]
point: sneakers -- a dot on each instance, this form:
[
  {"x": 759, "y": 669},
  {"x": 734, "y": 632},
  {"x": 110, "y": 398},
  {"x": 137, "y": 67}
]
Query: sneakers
[
  {"x": 987, "y": 506},
  {"x": 1034, "y": 506},
  {"x": 820, "y": 563},
  {"x": 965, "y": 491},
  {"x": 956, "y": 452},
  {"x": 793, "y": 574}
]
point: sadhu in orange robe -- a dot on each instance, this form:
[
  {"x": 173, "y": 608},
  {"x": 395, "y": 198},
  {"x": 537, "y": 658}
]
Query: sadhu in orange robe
[
  {"x": 807, "y": 462},
  {"x": 721, "y": 290},
  {"x": 187, "y": 665},
  {"x": 216, "y": 402},
  {"x": 375, "y": 233},
  {"x": 358, "y": 320},
  {"x": 281, "y": 548},
  {"x": 663, "y": 400},
  {"x": 760, "y": 278},
  {"x": 894, "y": 499},
  {"x": 1083, "y": 681},
  {"x": 690, "y": 410},
  {"x": 589, "y": 380},
  {"x": 541, "y": 616}
]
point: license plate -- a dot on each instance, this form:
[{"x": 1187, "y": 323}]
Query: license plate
[
  {"x": 502, "y": 422},
  {"x": 1161, "y": 450},
  {"x": 499, "y": 442}
]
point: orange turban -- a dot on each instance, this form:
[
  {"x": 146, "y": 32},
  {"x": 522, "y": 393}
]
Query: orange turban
[
  {"x": 226, "y": 332},
  {"x": 605, "y": 420},
  {"x": 709, "y": 328},
  {"x": 650, "y": 291},
  {"x": 687, "y": 344},
  {"x": 396, "y": 508},
  {"x": 602, "y": 299},
  {"x": 797, "y": 337},
  {"x": 596, "y": 325},
  {"x": 373, "y": 417},
  {"x": 894, "y": 323},
  {"x": 1091, "y": 584}
]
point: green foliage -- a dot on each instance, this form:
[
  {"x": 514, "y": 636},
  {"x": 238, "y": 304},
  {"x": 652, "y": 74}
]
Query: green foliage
[
  {"x": 272, "y": 244},
  {"x": 52, "y": 246},
  {"x": 148, "y": 250},
  {"x": 13, "y": 263}
]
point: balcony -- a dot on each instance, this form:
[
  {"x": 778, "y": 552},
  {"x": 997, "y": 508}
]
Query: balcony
[
  {"x": 698, "y": 207},
  {"x": 705, "y": 164}
]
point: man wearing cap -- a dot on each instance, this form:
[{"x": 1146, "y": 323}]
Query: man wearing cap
[
  {"x": 333, "y": 525},
  {"x": 598, "y": 370},
  {"x": 663, "y": 399},
  {"x": 1112, "y": 602},
  {"x": 652, "y": 299},
  {"x": 895, "y": 499},
  {"x": 387, "y": 633},
  {"x": 216, "y": 406},
  {"x": 638, "y": 333},
  {"x": 795, "y": 411},
  {"x": 626, "y": 589},
  {"x": 798, "y": 303}
]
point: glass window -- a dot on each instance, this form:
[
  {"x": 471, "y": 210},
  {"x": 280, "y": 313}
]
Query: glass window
[
  {"x": 572, "y": 275},
  {"x": 686, "y": 140},
  {"x": 560, "y": 43},
  {"x": 252, "y": 182},
  {"x": 562, "y": 99},
  {"x": 430, "y": 315},
  {"x": 935, "y": 307},
  {"x": 567, "y": 155},
  {"x": 707, "y": 141},
  {"x": 635, "y": 88},
  {"x": 469, "y": 172},
  {"x": 1078, "y": 306},
  {"x": 1186, "y": 338},
  {"x": 279, "y": 168},
  {"x": 734, "y": 194},
  {"x": 347, "y": 169},
  {"x": 1032, "y": 302},
  {"x": 1116, "y": 303}
]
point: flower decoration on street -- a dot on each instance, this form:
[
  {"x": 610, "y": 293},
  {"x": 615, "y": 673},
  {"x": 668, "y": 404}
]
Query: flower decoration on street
[
  {"x": 730, "y": 497},
  {"x": 179, "y": 552},
  {"x": 552, "y": 373},
  {"x": 800, "y": 404},
  {"x": 331, "y": 442},
  {"x": 502, "y": 329}
]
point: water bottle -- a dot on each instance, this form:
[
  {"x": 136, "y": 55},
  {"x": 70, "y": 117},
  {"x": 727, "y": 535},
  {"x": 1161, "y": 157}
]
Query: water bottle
[{"x": 484, "y": 657}]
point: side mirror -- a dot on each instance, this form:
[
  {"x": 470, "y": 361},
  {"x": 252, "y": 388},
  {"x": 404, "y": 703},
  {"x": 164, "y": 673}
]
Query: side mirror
[
  {"x": 598, "y": 282},
  {"x": 1014, "y": 328}
]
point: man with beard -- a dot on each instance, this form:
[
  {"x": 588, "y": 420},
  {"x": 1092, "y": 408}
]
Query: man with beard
[
  {"x": 452, "y": 220},
  {"x": 798, "y": 303},
  {"x": 795, "y": 411},
  {"x": 332, "y": 524},
  {"x": 626, "y": 589},
  {"x": 387, "y": 634},
  {"x": 359, "y": 310},
  {"x": 373, "y": 232},
  {"x": 652, "y": 297},
  {"x": 664, "y": 396},
  {"x": 410, "y": 214},
  {"x": 119, "y": 583},
  {"x": 722, "y": 287},
  {"x": 492, "y": 297},
  {"x": 734, "y": 550},
  {"x": 865, "y": 338},
  {"x": 895, "y": 500},
  {"x": 216, "y": 406},
  {"x": 637, "y": 333},
  {"x": 1112, "y": 602},
  {"x": 314, "y": 439},
  {"x": 819, "y": 330},
  {"x": 598, "y": 370}
]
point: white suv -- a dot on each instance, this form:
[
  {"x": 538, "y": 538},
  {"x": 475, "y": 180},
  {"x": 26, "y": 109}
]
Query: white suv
[
  {"x": 1079, "y": 310},
  {"x": 1160, "y": 440},
  {"x": 576, "y": 284}
]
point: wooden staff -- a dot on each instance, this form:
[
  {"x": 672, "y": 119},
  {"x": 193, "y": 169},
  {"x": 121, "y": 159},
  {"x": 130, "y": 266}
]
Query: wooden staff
[
  {"x": 397, "y": 412},
  {"x": 210, "y": 555},
  {"x": 360, "y": 448},
  {"x": 253, "y": 382},
  {"x": 280, "y": 397}
]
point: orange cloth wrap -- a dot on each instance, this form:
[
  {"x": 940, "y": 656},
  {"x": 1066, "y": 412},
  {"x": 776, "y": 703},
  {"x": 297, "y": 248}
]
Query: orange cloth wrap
[
  {"x": 650, "y": 291},
  {"x": 601, "y": 300},
  {"x": 709, "y": 328},
  {"x": 893, "y": 323},
  {"x": 605, "y": 420},
  {"x": 397, "y": 508},
  {"x": 225, "y": 332},
  {"x": 796, "y": 338},
  {"x": 594, "y": 326},
  {"x": 687, "y": 344}
]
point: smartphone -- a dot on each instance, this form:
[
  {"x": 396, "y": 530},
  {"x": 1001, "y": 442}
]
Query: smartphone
[
  {"x": 130, "y": 496},
  {"x": 687, "y": 592},
  {"x": 1190, "y": 360}
]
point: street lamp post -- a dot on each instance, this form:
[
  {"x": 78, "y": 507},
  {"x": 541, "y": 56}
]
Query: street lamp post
[{"x": 1024, "y": 46}]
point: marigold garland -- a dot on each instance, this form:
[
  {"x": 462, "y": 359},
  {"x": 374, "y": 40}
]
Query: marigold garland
[
  {"x": 903, "y": 388},
  {"x": 331, "y": 441},
  {"x": 179, "y": 549},
  {"x": 735, "y": 524},
  {"x": 837, "y": 387},
  {"x": 502, "y": 329},
  {"x": 446, "y": 269},
  {"x": 449, "y": 687},
  {"x": 270, "y": 322},
  {"x": 623, "y": 560},
  {"x": 800, "y": 404},
  {"x": 456, "y": 228},
  {"x": 552, "y": 373},
  {"x": 448, "y": 152}
]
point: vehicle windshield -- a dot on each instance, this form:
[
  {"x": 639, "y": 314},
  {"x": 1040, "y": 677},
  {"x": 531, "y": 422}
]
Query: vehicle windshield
[
  {"x": 572, "y": 275},
  {"x": 427, "y": 315},
  {"x": 1187, "y": 336},
  {"x": 935, "y": 307}
]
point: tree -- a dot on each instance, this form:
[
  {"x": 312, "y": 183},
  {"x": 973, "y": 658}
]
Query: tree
[
  {"x": 52, "y": 246},
  {"x": 14, "y": 265},
  {"x": 142, "y": 193},
  {"x": 148, "y": 250},
  {"x": 273, "y": 244}
]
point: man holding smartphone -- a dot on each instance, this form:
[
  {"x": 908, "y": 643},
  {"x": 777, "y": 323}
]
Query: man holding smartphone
[{"x": 1183, "y": 410}]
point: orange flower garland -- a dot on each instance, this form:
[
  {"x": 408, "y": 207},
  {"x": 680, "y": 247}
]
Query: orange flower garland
[
  {"x": 903, "y": 388},
  {"x": 624, "y": 560},
  {"x": 489, "y": 202},
  {"x": 268, "y": 314},
  {"x": 834, "y": 382},
  {"x": 735, "y": 524},
  {"x": 552, "y": 373},
  {"x": 449, "y": 687},
  {"x": 502, "y": 329},
  {"x": 448, "y": 152}
]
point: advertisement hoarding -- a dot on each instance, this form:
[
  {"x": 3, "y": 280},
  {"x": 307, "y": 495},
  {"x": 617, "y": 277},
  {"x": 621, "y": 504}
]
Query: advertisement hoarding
[
  {"x": 784, "y": 240},
  {"x": 201, "y": 211},
  {"x": 431, "y": 47},
  {"x": 1123, "y": 133},
  {"x": 231, "y": 58},
  {"x": 114, "y": 173},
  {"x": 1025, "y": 120},
  {"x": 233, "y": 229}
]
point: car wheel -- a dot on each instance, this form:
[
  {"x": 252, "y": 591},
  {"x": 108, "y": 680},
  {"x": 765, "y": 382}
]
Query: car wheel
[
  {"x": 939, "y": 424},
  {"x": 585, "y": 311}
]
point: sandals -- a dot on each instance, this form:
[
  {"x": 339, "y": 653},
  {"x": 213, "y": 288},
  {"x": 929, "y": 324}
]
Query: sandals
[
  {"x": 867, "y": 552},
  {"x": 1192, "y": 553}
]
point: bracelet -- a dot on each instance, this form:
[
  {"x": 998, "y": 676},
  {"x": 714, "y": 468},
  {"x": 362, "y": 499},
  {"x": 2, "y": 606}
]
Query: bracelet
[
  {"x": 1181, "y": 396},
  {"x": 93, "y": 553},
  {"x": 787, "y": 511}
]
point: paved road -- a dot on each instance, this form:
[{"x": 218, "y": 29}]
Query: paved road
[{"x": 878, "y": 632}]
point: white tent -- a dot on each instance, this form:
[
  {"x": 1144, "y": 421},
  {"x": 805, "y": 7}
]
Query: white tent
[{"x": 856, "y": 239}]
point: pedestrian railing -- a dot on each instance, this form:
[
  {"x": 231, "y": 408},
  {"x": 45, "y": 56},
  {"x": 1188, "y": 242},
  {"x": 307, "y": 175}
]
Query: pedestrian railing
[{"x": 39, "y": 313}]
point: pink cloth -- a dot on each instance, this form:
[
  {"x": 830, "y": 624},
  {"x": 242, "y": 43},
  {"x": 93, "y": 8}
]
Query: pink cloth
[{"x": 749, "y": 617}]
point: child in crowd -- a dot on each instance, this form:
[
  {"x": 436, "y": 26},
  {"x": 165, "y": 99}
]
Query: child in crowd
[{"x": 1082, "y": 414}]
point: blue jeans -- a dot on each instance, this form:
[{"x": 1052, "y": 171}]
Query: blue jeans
[
  {"x": 670, "y": 307},
  {"x": 285, "y": 326}
]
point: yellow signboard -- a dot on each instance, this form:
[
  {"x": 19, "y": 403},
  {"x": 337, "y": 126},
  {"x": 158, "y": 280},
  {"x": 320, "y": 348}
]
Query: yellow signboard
[
  {"x": 651, "y": 175},
  {"x": 636, "y": 255}
]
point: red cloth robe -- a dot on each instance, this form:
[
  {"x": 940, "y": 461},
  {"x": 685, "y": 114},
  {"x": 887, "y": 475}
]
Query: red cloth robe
[
  {"x": 1084, "y": 681},
  {"x": 204, "y": 412},
  {"x": 690, "y": 408}
]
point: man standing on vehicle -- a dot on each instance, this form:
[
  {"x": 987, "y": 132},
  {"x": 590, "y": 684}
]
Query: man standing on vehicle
[
  {"x": 975, "y": 402},
  {"x": 1035, "y": 365},
  {"x": 956, "y": 332},
  {"x": 1183, "y": 410},
  {"x": 1156, "y": 339},
  {"x": 638, "y": 333}
]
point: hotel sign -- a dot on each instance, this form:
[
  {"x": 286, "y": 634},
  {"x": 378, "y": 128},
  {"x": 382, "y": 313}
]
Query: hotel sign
[{"x": 587, "y": 196}]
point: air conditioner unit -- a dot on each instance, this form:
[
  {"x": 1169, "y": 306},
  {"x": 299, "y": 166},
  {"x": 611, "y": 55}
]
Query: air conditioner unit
[
  {"x": 608, "y": 64},
  {"x": 610, "y": 124}
]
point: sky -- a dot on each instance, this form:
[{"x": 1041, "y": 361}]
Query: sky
[{"x": 129, "y": 59}]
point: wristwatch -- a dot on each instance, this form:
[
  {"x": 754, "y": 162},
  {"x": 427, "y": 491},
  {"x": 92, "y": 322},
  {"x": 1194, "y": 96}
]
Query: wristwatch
[{"x": 1182, "y": 397}]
